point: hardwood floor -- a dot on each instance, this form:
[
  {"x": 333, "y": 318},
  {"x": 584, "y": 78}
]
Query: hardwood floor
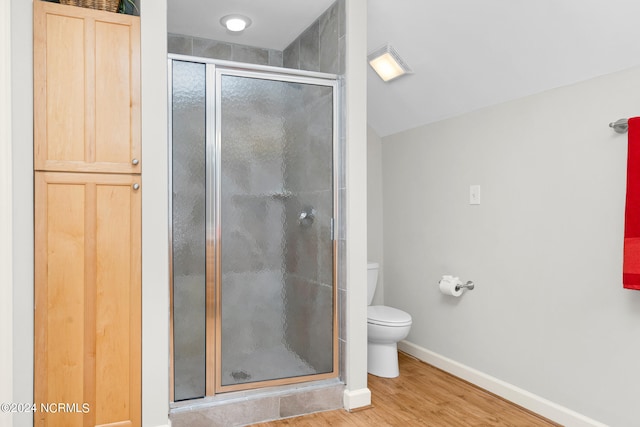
[{"x": 423, "y": 396}]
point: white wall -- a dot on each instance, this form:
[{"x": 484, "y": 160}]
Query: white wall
[
  {"x": 155, "y": 215},
  {"x": 356, "y": 394},
  {"x": 544, "y": 248},
  {"x": 22, "y": 203},
  {"x": 374, "y": 209},
  {"x": 6, "y": 241}
]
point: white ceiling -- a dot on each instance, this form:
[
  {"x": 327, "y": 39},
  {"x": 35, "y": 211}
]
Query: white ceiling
[{"x": 466, "y": 54}]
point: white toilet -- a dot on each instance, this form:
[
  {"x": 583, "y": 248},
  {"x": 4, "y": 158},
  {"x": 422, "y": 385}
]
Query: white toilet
[{"x": 385, "y": 327}]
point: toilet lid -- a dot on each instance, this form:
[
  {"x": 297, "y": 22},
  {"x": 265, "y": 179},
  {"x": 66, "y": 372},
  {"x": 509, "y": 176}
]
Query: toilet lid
[{"x": 387, "y": 316}]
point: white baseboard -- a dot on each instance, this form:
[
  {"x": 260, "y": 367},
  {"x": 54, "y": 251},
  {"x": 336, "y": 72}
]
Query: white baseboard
[
  {"x": 530, "y": 401},
  {"x": 353, "y": 399}
]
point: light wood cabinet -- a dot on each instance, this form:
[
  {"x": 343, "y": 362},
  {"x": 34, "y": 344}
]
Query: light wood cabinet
[
  {"x": 87, "y": 162},
  {"x": 88, "y": 298},
  {"x": 87, "y": 83}
]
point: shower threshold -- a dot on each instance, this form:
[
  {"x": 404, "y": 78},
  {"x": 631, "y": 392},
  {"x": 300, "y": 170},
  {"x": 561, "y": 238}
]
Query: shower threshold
[{"x": 258, "y": 405}]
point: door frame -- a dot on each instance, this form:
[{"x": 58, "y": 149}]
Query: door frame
[{"x": 214, "y": 136}]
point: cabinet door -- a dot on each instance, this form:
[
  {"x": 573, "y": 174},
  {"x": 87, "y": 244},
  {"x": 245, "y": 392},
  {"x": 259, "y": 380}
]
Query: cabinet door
[
  {"x": 87, "y": 299},
  {"x": 86, "y": 90}
]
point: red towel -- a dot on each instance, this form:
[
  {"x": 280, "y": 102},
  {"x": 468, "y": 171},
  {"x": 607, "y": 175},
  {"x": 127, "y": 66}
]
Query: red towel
[{"x": 631, "y": 263}]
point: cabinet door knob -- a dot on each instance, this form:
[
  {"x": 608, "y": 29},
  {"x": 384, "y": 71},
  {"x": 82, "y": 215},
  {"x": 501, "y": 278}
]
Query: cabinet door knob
[
  {"x": 134, "y": 162},
  {"x": 136, "y": 186}
]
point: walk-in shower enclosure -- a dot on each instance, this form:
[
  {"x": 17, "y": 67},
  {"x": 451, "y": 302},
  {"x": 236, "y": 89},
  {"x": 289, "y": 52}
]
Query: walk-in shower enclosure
[{"x": 253, "y": 208}]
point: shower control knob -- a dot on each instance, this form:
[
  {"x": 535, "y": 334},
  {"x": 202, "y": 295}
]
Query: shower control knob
[
  {"x": 307, "y": 216},
  {"x": 135, "y": 162},
  {"x": 136, "y": 186}
]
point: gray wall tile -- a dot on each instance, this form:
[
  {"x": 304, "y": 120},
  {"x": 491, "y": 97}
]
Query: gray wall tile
[
  {"x": 243, "y": 411},
  {"x": 328, "y": 43},
  {"x": 211, "y": 49},
  {"x": 205, "y": 48},
  {"x": 291, "y": 55},
  {"x": 177, "y": 43},
  {"x": 275, "y": 58},
  {"x": 321, "y": 46},
  {"x": 343, "y": 358},
  {"x": 342, "y": 270},
  {"x": 342, "y": 27},
  {"x": 342, "y": 53},
  {"x": 342, "y": 303},
  {"x": 237, "y": 413},
  {"x": 310, "y": 48},
  {"x": 249, "y": 54},
  {"x": 309, "y": 322},
  {"x": 312, "y": 401}
]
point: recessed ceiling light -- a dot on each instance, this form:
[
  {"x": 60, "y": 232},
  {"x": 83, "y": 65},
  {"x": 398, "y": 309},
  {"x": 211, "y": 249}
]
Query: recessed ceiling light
[
  {"x": 235, "y": 23},
  {"x": 387, "y": 63}
]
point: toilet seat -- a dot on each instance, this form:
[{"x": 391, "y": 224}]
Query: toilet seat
[{"x": 387, "y": 316}]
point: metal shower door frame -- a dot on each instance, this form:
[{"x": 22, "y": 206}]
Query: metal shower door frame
[
  {"x": 215, "y": 69},
  {"x": 214, "y": 169}
]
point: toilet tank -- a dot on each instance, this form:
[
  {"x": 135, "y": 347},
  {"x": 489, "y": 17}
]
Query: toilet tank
[{"x": 372, "y": 280}]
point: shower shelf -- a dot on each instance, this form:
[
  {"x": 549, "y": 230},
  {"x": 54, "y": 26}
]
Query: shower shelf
[{"x": 280, "y": 195}]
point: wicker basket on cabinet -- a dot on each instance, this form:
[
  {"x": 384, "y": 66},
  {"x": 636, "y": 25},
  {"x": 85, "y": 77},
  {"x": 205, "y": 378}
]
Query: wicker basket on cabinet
[{"x": 108, "y": 5}]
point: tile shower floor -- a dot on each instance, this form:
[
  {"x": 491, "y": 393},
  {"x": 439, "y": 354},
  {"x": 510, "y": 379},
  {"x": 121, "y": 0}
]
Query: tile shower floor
[{"x": 275, "y": 362}]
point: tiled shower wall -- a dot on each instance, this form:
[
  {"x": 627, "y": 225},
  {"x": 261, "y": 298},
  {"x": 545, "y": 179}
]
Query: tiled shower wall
[
  {"x": 204, "y": 48},
  {"x": 321, "y": 47},
  {"x": 309, "y": 258}
]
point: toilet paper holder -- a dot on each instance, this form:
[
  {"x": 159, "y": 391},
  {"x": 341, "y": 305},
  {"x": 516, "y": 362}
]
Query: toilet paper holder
[{"x": 469, "y": 285}]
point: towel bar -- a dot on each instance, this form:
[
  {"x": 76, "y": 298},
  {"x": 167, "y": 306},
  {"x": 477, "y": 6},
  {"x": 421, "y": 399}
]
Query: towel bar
[{"x": 620, "y": 126}]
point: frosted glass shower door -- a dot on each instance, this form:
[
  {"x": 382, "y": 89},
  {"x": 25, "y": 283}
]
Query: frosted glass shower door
[
  {"x": 276, "y": 318},
  {"x": 188, "y": 229}
]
